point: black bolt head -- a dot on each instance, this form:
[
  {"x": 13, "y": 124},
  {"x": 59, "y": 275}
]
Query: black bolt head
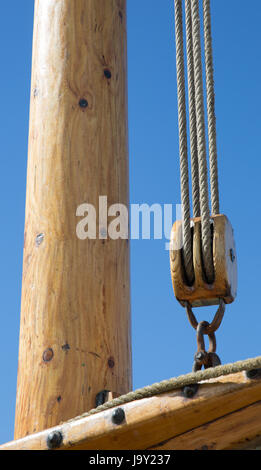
[
  {"x": 83, "y": 103},
  {"x": 190, "y": 390},
  {"x": 118, "y": 416},
  {"x": 101, "y": 398},
  {"x": 253, "y": 374},
  {"x": 232, "y": 255},
  {"x": 54, "y": 440},
  {"x": 107, "y": 73}
]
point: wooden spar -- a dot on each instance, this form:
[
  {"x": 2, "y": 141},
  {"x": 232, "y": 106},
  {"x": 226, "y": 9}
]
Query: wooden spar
[
  {"x": 75, "y": 313},
  {"x": 224, "y": 414}
]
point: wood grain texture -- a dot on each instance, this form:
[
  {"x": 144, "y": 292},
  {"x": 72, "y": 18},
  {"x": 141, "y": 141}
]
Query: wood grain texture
[
  {"x": 75, "y": 314},
  {"x": 225, "y": 265},
  {"x": 240, "y": 430},
  {"x": 160, "y": 419}
]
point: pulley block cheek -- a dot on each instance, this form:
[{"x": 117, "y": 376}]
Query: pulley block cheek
[{"x": 224, "y": 259}]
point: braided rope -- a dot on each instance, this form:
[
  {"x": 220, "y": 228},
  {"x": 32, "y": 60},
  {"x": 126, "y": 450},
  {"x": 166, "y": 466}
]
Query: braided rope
[
  {"x": 176, "y": 383},
  {"x": 211, "y": 108},
  {"x": 192, "y": 112},
  {"x": 202, "y": 154},
  {"x": 184, "y": 172}
]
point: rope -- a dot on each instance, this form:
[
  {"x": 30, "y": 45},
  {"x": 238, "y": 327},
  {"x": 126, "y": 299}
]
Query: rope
[
  {"x": 211, "y": 108},
  {"x": 176, "y": 383},
  {"x": 184, "y": 172},
  {"x": 192, "y": 112},
  {"x": 198, "y": 148},
  {"x": 202, "y": 154}
]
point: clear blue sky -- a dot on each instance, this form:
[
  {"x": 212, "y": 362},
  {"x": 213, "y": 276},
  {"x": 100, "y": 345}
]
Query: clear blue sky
[{"x": 163, "y": 341}]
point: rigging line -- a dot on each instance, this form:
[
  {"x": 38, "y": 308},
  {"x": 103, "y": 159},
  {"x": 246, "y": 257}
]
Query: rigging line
[
  {"x": 211, "y": 108},
  {"x": 192, "y": 112},
  {"x": 202, "y": 154},
  {"x": 176, "y": 383},
  {"x": 183, "y": 150}
]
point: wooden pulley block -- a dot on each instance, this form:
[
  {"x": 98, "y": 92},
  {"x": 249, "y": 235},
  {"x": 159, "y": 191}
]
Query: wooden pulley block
[{"x": 225, "y": 264}]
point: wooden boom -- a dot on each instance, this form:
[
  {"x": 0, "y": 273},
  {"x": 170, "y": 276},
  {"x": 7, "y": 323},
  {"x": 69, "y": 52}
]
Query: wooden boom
[
  {"x": 224, "y": 414},
  {"x": 75, "y": 313}
]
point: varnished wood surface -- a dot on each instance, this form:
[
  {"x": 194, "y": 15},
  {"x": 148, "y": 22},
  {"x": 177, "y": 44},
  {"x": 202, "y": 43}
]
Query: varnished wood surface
[
  {"x": 75, "y": 314},
  {"x": 225, "y": 265},
  {"x": 170, "y": 420},
  {"x": 237, "y": 431}
]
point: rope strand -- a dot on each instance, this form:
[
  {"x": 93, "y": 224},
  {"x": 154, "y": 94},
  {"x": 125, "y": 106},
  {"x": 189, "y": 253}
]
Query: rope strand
[
  {"x": 192, "y": 112},
  {"x": 202, "y": 154},
  {"x": 184, "y": 171},
  {"x": 198, "y": 148},
  {"x": 212, "y": 137}
]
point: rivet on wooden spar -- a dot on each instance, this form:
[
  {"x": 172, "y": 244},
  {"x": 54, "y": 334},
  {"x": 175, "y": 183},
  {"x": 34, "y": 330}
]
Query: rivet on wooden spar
[{"x": 225, "y": 265}]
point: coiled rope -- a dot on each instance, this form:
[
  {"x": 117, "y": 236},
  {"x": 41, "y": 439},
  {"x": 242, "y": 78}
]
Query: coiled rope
[{"x": 198, "y": 148}]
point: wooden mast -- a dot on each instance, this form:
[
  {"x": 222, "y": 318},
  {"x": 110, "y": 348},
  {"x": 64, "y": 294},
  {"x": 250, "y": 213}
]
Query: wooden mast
[{"x": 75, "y": 313}]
